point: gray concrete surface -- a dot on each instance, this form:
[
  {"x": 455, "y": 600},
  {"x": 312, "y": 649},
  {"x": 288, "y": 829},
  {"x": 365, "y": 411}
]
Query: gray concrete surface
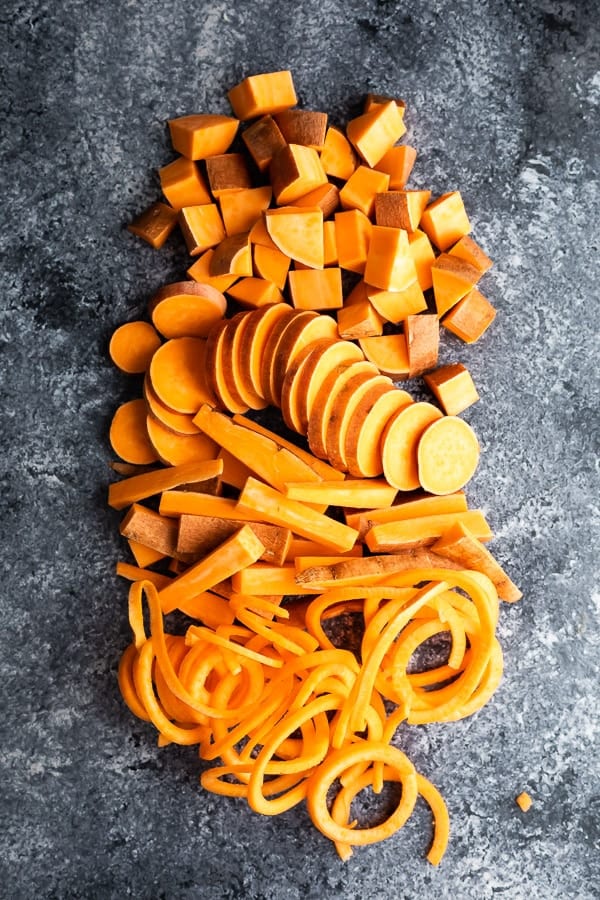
[{"x": 503, "y": 104}]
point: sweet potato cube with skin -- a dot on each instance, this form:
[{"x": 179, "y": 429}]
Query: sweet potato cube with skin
[
  {"x": 227, "y": 172},
  {"x": 303, "y": 126},
  {"x": 394, "y": 306},
  {"x": 445, "y": 220},
  {"x": 155, "y": 224},
  {"x": 470, "y": 317},
  {"x": 295, "y": 171},
  {"x": 419, "y": 247},
  {"x": 388, "y": 353},
  {"x": 361, "y": 188},
  {"x": 317, "y": 289},
  {"x": 389, "y": 265},
  {"x": 330, "y": 257},
  {"x": 422, "y": 335},
  {"x": 271, "y": 264},
  {"x": 232, "y": 256},
  {"x": 263, "y": 139},
  {"x": 453, "y": 278},
  {"x": 472, "y": 253},
  {"x": 326, "y": 197},
  {"x": 337, "y": 156},
  {"x": 398, "y": 163},
  {"x": 359, "y": 320},
  {"x": 201, "y": 136},
  {"x": 298, "y": 232},
  {"x": 401, "y": 209},
  {"x": 375, "y": 132},
  {"x": 202, "y": 227},
  {"x": 352, "y": 235},
  {"x": 252, "y": 293},
  {"x": 240, "y": 210},
  {"x": 200, "y": 272},
  {"x": 453, "y": 388},
  {"x": 182, "y": 184},
  {"x": 261, "y": 95},
  {"x": 373, "y": 101}
]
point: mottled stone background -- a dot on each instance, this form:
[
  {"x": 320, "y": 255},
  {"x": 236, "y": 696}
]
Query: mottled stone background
[{"x": 503, "y": 104}]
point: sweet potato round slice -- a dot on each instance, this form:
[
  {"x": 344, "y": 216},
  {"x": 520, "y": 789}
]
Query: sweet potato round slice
[
  {"x": 447, "y": 455},
  {"x": 400, "y": 441},
  {"x": 178, "y": 375},
  {"x": 301, "y": 333},
  {"x": 240, "y": 389},
  {"x": 270, "y": 351},
  {"x": 343, "y": 415},
  {"x": 128, "y": 434},
  {"x": 177, "y": 449},
  {"x": 180, "y": 422},
  {"x": 330, "y": 353},
  {"x": 290, "y": 387},
  {"x": 215, "y": 373},
  {"x": 363, "y": 438},
  {"x": 279, "y": 356},
  {"x": 326, "y": 400},
  {"x": 133, "y": 345},
  {"x": 261, "y": 323},
  {"x": 186, "y": 309}
]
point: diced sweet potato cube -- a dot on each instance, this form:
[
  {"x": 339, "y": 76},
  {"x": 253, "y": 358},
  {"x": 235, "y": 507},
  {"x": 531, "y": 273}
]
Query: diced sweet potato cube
[
  {"x": 338, "y": 157},
  {"x": 254, "y": 292},
  {"x": 352, "y": 235},
  {"x": 242, "y": 209},
  {"x": 182, "y": 184},
  {"x": 372, "y": 101},
  {"x": 201, "y": 136},
  {"x": 467, "y": 249},
  {"x": 316, "y": 289},
  {"x": 227, "y": 172},
  {"x": 375, "y": 132},
  {"x": 445, "y": 220},
  {"x": 453, "y": 278},
  {"x": 326, "y": 197},
  {"x": 389, "y": 265},
  {"x": 271, "y": 264},
  {"x": 394, "y": 306},
  {"x": 419, "y": 247},
  {"x": 303, "y": 126},
  {"x": 388, "y": 353},
  {"x": 470, "y": 317},
  {"x": 360, "y": 189},
  {"x": 422, "y": 334},
  {"x": 155, "y": 224},
  {"x": 298, "y": 232},
  {"x": 202, "y": 227},
  {"x": 453, "y": 388},
  {"x": 232, "y": 256},
  {"x": 359, "y": 320},
  {"x": 295, "y": 171},
  {"x": 330, "y": 257},
  {"x": 398, "y": 163},
  {"x": 263, "y": 139},
  {"x": 261, "y": 95},
  {"x": 200, "y": 271},
  {"x": 401, "y": 209}
]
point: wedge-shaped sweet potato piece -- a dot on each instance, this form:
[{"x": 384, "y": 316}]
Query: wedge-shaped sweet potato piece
[
  {"x": 401, "y": 209},
  {"x": 395, "y": 306},
  {"x": 452, "y": 278},
  {"x": 419, "y": 247},
  {"x": 352, "y": 236},
  {"x": 460, "y": 545},
  {"x": 338, "y": 157},
  {"x": 453, "y": 388},
  {"x": 261, "y": 95},
  {"x": 326, "y": 197},
  {"x": 363, "y": 440},
  {"x": 445, "y": 220},
  {"x": 303, "y": 126},
  {"x": 467, "y": 249},
  {"x": 154, "y": 225},
  {"x": 390, "y": 537},
  {"x": 359, "y": 320},
  {"x": 263, "y": 139},
  {"x": 150, "y": 529},
  {"x": 388, "y": 353},
  {"x": 186, "y": 309},
  {"x": 295, "y": 170},
  {"x": 271, "y": 264},
  {"x": 360, "y": 190},
  {"x": 316, "y": 288},
  {"x": 255, "y": 292},
  {"x": 241, "y": 209},
  {"x": 422, "y": 335},
  {"x": 470, "y": 317},
  {"x": 375, "y": 132},
  {"x": 182, "y": 184},
  {"x": 389, "y": 265},
  {"x": 400, "y": 442},
  {"x": 398, "y": 163},
  {"x": 200, "y": 272},
  {"x": 232, "y": 256},
  {"x": 448, "y": 454},
  {"x": 201, "y": 136},
  {"x": 298, "y": 233},
  {"x": 201, "y": 226}
]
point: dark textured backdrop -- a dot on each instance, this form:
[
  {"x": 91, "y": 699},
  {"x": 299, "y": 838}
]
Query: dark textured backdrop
[{"x": 503, "y": 104}]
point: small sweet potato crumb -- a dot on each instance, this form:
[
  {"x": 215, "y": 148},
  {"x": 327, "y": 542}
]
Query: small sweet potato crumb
[{"x": 524, "y": 801}]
